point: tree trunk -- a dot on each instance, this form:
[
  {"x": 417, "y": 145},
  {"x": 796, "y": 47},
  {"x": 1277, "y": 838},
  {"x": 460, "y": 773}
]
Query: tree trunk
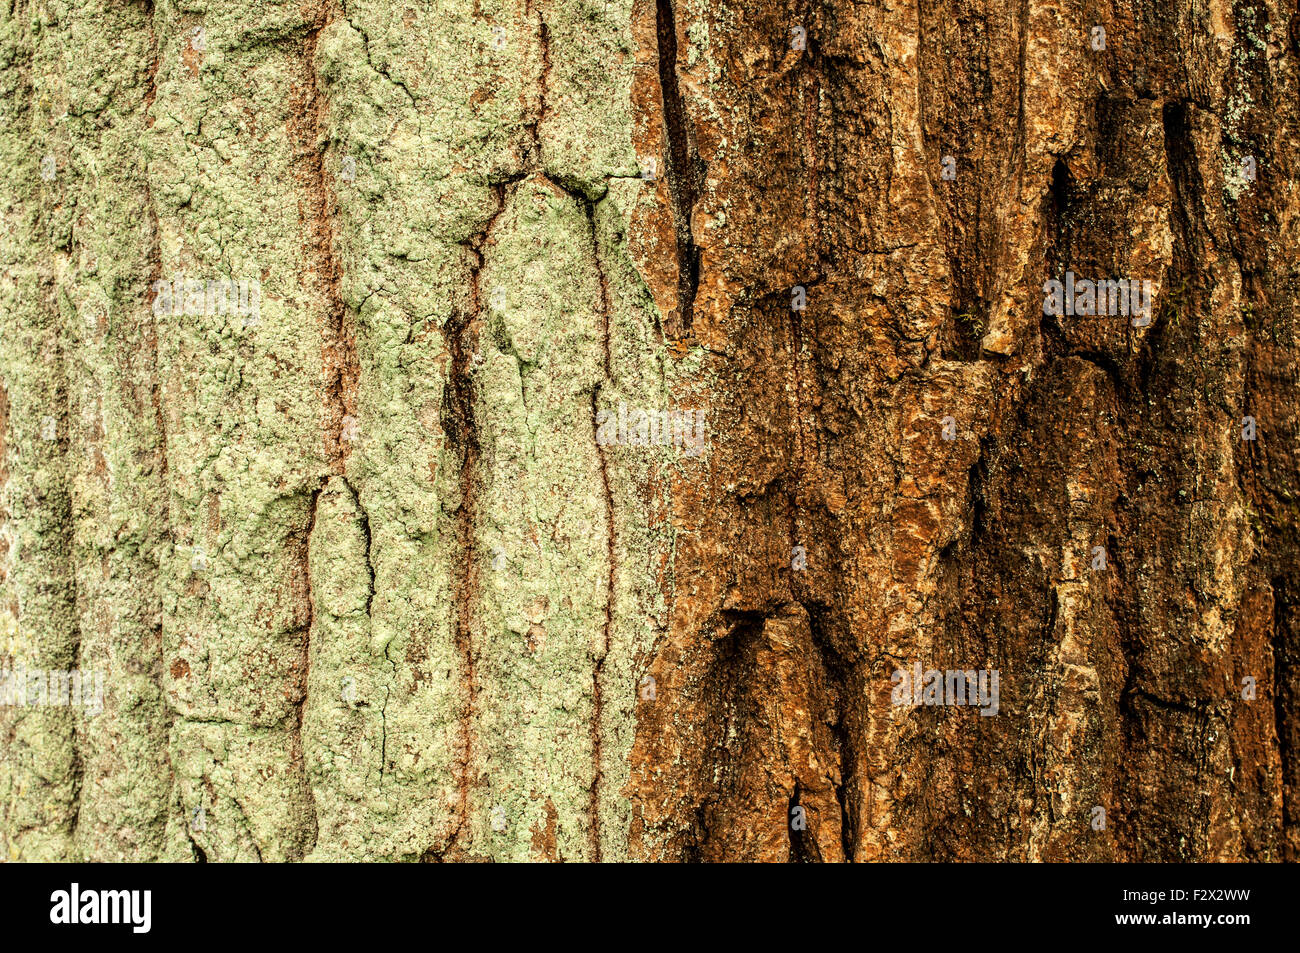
[{"x": 558, "y": 430}]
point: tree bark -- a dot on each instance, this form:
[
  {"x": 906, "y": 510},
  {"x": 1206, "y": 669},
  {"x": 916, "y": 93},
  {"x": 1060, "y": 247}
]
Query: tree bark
[{"x": 559, "y": 430}]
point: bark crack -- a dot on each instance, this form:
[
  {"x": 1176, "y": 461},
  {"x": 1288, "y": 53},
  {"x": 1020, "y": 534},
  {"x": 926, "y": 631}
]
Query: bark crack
[
  {"x": 365, "y": 37},
  {"x": 611, "y": 551},
  {"x": 597, "y": 697},
  {"x": 338, "y": 354},
  {"x": 461, "y": 427},
  {"x": 683, "y": 173}
]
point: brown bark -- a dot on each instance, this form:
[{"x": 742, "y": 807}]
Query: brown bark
[{"x": 1120, "y": 688}]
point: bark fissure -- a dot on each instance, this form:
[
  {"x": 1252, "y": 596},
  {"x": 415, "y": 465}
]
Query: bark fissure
[
  {"x": 597, "y": 729},
  {"x": 682, "y": 173},
  {"x": 460, "y": 423},
  {"x": 154, "y": 383},
  {"x": 340, "y": 362},
  {"x": 597, "y": 712}
]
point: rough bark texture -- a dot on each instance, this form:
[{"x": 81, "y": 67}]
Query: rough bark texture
[{"x": 366, "y": 580}]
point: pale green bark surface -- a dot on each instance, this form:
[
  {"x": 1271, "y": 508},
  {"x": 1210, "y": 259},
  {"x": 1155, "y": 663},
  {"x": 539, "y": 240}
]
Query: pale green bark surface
[{"x": 263, "y": 533}]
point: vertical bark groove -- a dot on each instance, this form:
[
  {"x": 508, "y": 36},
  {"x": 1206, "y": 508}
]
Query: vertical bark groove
[{"x": 683, "y": 171}]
